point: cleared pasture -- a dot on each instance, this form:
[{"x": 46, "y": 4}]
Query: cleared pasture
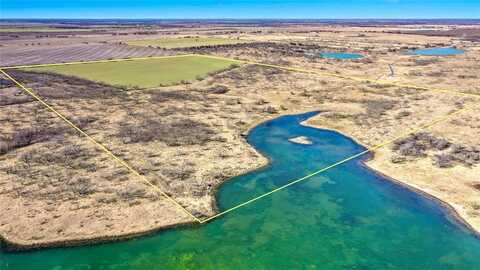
[
  {"x": 184, "y": 42},
  {"x": 143, "y": 73}
]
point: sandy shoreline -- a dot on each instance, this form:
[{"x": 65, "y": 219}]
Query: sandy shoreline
[
  {"x": 11, "y": 246},
  {"x": 449, "y": 209}
]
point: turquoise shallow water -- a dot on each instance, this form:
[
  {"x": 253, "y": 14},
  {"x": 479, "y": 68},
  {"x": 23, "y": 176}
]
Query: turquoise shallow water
[
  {"x": 341, "y": 56},
  {"x": 437, "y": 52},
  {"x": 345, "y": 218}
]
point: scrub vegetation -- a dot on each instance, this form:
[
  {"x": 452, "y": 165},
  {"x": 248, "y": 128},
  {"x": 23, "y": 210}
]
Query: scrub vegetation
[{"x": 181, "y": 122}]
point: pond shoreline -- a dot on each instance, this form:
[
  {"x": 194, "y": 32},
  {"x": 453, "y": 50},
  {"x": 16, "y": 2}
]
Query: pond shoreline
[
  {"x": 11, "y": 246},
  {"x": 446, "y": 207}
]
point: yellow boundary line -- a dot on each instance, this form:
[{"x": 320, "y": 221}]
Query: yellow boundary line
[
  {"x": 328, "y": 74},
  {"x": 294, "y": 69},
  {"x": 372, "y": 149},
  {"x": 99, "y": 61},
  {"x": 98, "y": 144},
  {"x": 346, "y": 77}
]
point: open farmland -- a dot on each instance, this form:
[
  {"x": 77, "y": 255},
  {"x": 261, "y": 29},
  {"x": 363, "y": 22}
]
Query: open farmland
[
  {"x": 183, "y": 136},
  {"x": 143, "y": 73},
  {"x": 13, "y": 55},
  {"x": 186, "y": 42}
]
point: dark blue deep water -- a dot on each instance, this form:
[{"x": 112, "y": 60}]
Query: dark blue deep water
[{"x": 345, "y": 218}]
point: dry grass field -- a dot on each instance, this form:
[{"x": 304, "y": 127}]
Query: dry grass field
[{"x": 175, "y": 135}]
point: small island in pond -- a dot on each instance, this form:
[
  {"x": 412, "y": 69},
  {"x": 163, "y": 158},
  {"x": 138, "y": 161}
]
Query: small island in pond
[{"x": 301, "y": 140}]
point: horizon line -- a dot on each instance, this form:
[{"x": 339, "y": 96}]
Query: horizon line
[{"x": 239, "y": 19}]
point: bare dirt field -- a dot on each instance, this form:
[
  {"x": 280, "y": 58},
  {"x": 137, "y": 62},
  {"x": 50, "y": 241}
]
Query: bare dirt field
[
  {"x": 188, "y": 139},
  {"x": 30, "y": 55}
]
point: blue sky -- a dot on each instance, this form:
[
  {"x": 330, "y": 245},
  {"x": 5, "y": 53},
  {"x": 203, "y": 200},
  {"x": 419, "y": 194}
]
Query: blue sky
[{"x": 321, "y": 9}]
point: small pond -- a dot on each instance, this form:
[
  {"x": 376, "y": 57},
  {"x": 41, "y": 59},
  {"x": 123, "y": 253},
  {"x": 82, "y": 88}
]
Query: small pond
[
  {"x": 437, "y": 51},
  {"x": 341, "y": 55}
]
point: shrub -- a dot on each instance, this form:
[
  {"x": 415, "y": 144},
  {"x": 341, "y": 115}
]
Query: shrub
[
  {"x": 81, "y": 186},
  {"x": 174, "y": 133},
  {"x": 218, "y": 89},
  {"x": 270, "y": 110},
  {"x": 181, "y": 172},
  {"x": 425, "y": 62},
  {"x": 4, "y": 147},
  {"x": 131, "y": 192},
  {"x": 402, "y": 114},
  {"x": 444, "y": 161},
  {"x": 417, "y": 145},
  {"x": 164, "y": 96},
  {"x": 378, "y": 107},
  {"x": 20, "y": 138}
]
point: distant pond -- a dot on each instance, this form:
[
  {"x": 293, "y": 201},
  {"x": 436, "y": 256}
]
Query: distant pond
[
  {"x": 341, "y": 55},
  {"x": 444, "y": 51}
]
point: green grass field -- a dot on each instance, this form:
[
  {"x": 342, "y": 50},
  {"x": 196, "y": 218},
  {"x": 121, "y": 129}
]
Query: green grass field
[
  {"x": 170, "y": 43},
  {"x": 145, "y": 73}
]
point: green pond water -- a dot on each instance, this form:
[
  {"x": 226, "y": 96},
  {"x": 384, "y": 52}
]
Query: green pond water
[{"x": 345, "y": 218}]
